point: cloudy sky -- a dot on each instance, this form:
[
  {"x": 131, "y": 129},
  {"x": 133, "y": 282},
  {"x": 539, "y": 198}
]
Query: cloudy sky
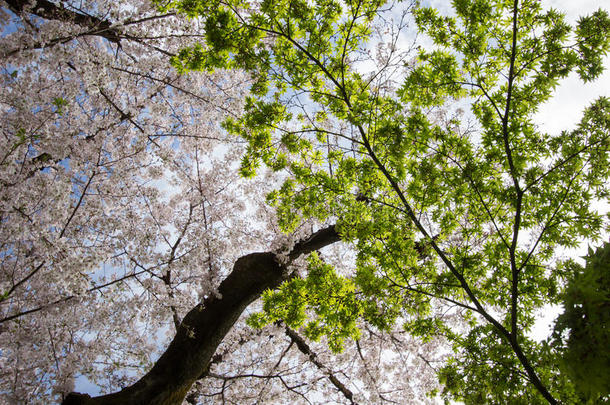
[{"x": 564, "y": 110}]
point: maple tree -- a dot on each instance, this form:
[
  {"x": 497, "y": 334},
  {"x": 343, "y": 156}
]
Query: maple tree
[{"x": 123, "y": 217}]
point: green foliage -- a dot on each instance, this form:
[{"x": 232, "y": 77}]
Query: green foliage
[
  {"x": 582, "y": 331},
  {"x": 437, "y": 211},
  {"x": 59, "y": 104},
  {"x": 434, "y": 80},
  {"x": 593, "y": 29},
  {"x": 328, "y": 299},
  {"x": 484, "y": 370}
]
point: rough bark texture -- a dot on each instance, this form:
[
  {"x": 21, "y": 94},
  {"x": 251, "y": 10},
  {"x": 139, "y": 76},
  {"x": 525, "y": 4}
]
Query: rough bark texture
[
  {"x": 204, "y": 327},
  {"x": 51, "y": 11}
]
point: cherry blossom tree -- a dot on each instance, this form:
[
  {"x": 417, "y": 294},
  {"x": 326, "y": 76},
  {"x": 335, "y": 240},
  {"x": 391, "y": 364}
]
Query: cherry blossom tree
[{"x": 123, "y": 218}]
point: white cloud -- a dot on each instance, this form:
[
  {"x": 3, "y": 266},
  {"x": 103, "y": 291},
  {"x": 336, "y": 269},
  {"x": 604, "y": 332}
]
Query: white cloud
[{"x": 564, "y": 110}]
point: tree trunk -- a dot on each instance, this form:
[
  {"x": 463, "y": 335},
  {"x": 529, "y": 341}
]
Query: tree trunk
[{"x": 204, "y": 327}]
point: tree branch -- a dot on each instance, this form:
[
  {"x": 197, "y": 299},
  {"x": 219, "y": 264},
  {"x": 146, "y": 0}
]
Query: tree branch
[
  {"x": 311, "y": 355},
  {"x": 205, "y": 326},
  {"x": 50, "y": 11}
]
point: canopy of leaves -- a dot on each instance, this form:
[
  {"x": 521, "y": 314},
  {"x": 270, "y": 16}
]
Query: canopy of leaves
[{"x": 438, "y": 210}]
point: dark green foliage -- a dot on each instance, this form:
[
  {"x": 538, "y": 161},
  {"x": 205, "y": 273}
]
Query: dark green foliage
[{"x": 582, "y": 331}]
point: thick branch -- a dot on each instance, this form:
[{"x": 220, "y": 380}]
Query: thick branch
[
  {"x": 50, "y": 11},
  {"x": 204, "y": 327}
]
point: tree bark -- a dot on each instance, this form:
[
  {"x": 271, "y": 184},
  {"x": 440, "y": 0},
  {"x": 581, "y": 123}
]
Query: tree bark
[
  {"x": 50, "y": 11},
  {"x": 205, "y": 326}
]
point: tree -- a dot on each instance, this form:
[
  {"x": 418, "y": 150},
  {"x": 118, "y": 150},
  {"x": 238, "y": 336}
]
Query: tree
[
  {"x": 439, "y": 214},
  {"x": 112, "y": 195}
]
